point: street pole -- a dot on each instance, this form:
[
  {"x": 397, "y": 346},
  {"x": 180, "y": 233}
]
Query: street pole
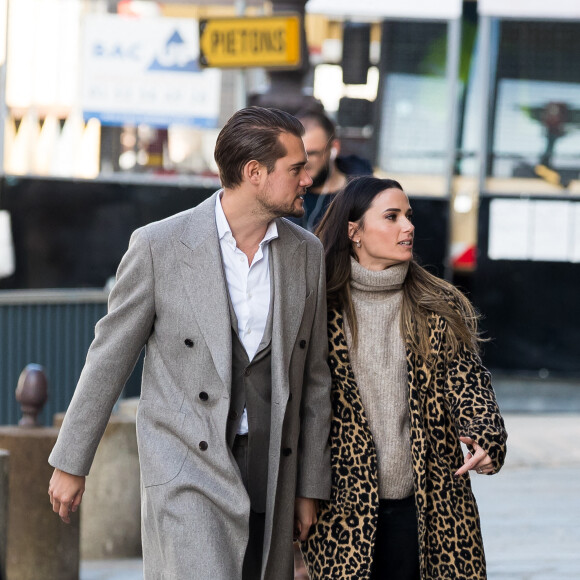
[
  {"x": 3, "y": 57},
  {"x": 452, "y": 74},
  {"x": 241, "y": 77},
  {"x": 286, "y": 85}
]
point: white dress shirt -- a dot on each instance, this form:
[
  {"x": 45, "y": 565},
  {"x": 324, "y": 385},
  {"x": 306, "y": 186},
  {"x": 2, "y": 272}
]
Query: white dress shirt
[{"x": 248, "y": 286}]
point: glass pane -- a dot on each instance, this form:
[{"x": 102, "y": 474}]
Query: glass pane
[
  {"x": 414, "y": 100},
  {"x": 535, "y": 131}
]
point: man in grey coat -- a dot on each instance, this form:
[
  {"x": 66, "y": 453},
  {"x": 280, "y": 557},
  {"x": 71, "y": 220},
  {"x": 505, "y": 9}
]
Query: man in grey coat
[{"x": 228, "y": 299}]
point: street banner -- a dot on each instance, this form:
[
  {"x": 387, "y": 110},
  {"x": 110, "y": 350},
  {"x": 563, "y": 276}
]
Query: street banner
[{"x": 146, "y": 70}]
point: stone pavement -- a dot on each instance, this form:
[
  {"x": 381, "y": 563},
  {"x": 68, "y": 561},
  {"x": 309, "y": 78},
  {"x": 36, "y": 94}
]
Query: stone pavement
[{"x": 530, "y": 511}]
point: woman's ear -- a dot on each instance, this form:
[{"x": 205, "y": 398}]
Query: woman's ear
[{"x": 352, "y": 230}]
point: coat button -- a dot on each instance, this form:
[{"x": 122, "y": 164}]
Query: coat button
[
  {"x": 286, "y": 451},
  {"x": 203, "y": 396},
  {"x": 188, "y": 342},
  {"x": 203, "y": 445},
  {"x": 302, "y": 343},
  {"x": 247, "y": 372},
  {"x": 232, "y": 415}
]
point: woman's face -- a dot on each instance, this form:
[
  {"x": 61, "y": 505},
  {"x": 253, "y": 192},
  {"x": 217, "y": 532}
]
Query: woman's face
[{"x": 385, "y": 232}]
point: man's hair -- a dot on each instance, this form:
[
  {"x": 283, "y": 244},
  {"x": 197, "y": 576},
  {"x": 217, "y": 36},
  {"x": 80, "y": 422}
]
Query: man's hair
[
  {"x": 315, "y": 118},
  {"x": 251, "y": 134}
]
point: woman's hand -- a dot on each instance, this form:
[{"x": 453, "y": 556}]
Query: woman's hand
[
  {"x": 304, "y": 517},
  {"x": 478, "y": 459}
]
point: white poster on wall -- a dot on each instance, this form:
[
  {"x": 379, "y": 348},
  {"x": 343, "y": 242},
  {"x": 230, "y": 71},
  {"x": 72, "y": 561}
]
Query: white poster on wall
[
  {"x": 551, "y": 225},
  {"x": 538, "y": 230},
  {"x": 575, "y": 233},
  {"x": 145, "y": 70},
  {"x": 509, "y": 229},
  {"x": 7, "y": 264}
]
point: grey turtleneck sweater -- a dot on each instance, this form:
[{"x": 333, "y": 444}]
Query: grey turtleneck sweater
[{"x": 380, "y": 369}]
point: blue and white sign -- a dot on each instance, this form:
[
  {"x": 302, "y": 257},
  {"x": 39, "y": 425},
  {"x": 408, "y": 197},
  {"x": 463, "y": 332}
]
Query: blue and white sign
[{"x": 145, "y": 70}]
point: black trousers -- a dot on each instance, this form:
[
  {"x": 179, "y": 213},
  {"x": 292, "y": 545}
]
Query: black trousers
[
  {"x": 397, "y": 544},
  {"x": 253, "y": 559}
]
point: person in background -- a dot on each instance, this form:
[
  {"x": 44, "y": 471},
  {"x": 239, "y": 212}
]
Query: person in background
[
  {"x": 328, "y": 170},
  {"x": 229, "y": 301},
  {"x": 408, "y": 388}
]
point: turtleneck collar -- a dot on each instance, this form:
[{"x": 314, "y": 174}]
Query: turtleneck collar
[{"x": 377, "y": 281}]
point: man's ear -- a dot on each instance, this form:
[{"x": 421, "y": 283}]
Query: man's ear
[
  {"x": 334, "y": 149},
  {"x": 253, "y": 172}
]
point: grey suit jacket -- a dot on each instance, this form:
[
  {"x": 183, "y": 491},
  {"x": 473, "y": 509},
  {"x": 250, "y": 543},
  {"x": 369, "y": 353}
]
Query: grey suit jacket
[{"x": 171, "y": 297}]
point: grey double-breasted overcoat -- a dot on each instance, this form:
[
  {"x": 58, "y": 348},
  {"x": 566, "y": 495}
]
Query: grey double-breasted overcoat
[{"x": 171, "y": 297}]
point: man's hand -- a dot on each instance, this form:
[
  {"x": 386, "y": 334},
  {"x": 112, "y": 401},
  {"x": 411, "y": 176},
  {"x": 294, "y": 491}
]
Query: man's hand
[
  {"x": 305, "y": 509},
  {"x": 66, "y": 492}
]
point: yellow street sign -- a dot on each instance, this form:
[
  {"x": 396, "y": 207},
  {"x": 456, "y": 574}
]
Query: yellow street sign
[{"x": 270, "y": 41}]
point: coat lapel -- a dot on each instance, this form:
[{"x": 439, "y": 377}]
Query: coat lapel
[
  {"x": 289, "y": 297},
  {"x": 289, "y": 272},
  {"x": 205, "y": 285}
]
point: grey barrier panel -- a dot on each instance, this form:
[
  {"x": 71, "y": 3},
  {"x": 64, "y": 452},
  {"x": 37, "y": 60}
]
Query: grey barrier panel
[{"x": 53, "y": 328}]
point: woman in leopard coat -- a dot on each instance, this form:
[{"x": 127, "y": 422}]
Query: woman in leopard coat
[{"x": 408, "y": 388}]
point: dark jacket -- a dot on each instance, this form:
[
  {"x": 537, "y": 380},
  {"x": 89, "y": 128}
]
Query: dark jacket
[{"x": 315, "y": 205}]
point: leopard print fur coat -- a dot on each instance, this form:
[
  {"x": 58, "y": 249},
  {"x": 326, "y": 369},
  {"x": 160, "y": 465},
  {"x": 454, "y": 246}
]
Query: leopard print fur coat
[{"x": 448, "y": 397}]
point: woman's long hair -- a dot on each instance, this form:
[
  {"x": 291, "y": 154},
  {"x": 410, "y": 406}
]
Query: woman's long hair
[{"x": 423, "y": 293}]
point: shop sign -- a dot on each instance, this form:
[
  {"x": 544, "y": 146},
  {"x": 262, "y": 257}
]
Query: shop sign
[
  {"x": 272, "y": 41},
  {"x": 145, "y": 70}
]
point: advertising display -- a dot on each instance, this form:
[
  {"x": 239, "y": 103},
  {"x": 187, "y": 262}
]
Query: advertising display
[{"x": 146, "y": 70}]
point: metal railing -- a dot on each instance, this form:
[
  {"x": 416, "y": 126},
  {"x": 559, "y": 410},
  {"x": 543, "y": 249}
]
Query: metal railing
[{"x": 52, "y": 328}]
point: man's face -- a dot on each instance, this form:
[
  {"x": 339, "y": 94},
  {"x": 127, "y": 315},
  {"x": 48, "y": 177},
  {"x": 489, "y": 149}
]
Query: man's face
[
  {"x": 318, "y": 146},
  {"x": 282, "y": 190}
]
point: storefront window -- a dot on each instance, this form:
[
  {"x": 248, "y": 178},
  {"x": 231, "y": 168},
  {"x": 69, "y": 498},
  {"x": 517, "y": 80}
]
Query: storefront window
[
  {"x": 535, "y": 122},
  {"x": 414, "y": 99},
  {"x": 100, "y": 89}
]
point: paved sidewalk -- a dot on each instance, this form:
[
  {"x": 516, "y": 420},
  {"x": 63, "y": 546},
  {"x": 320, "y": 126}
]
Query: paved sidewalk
[
  {"x": 542, "y": 440},
  {"x": 529, "y": 511},
  {"x": 529, "y": 519},
  {"x": 112, "y": 570}
]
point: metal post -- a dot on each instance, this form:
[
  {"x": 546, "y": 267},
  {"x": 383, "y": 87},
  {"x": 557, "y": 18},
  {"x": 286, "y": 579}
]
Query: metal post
[
  {"x": 241, "y": 77},
  {"x": 286, "y": 86},
  {"x": 452, "y": 75},
  {"x": 485, "y": 72},
  {"x": 3, "y": 61}
]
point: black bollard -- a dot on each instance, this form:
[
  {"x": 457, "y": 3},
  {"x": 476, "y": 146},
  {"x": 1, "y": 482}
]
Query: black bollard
[
  {"x": 32, "y": 394},
  {"x": 39, "y": 545}
]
